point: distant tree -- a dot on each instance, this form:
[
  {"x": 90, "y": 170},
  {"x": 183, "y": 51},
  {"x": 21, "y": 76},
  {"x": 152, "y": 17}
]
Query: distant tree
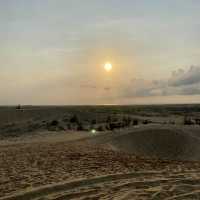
[
  {"x": 115, "y": 125},
  {"x": 69, "y": 126},
  {"x": 127, "y": 121},
  {"x": 74, "y": 119},
  {"x": 197, "y": 121},
  {"x": 80, "y": 127},
  {"x": 107, "y": 127},
  {"x": 124, "y": 121},
  {"x": 100, "y": 128},
  {"x": 54, "y": 123},
  {"x": 108, "y": 120},
  {"x": 135, "y": 122},
  {"x": 145, "y": 121},
  {"x": 61, "y": 128},
  {"x": 93, "y": 122},
  {"x": 187, "y": 121},
  {"x": 111, "y": 126}
]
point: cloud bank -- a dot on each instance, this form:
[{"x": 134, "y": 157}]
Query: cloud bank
[{"x": 180, "y": 83}]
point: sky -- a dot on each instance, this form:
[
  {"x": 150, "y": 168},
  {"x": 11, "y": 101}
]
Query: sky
[{"x": 53, "y": 52}]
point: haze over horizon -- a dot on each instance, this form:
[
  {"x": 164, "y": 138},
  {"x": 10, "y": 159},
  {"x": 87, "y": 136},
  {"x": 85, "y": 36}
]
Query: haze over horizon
[{"x": 54, "y": 52}]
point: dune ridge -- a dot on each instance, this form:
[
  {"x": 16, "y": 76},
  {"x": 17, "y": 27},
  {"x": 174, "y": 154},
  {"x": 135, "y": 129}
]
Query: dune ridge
[{"x": 162, "y": 143}]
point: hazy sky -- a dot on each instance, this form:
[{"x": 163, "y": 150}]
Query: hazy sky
[{"x": 53, "y": 51}]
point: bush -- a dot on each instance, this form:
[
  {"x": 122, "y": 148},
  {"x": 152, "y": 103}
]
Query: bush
[
  {"x": 69, "y": 126},
  {"x": 100, "y": 128},
  {"x": 135, "y": 122},
  {"x": 80, "y": 127},
  {"x": 188, "y": 121},
  {"x": 108, "y": 120},
  {"x": 116, "y": 125},
  {"x": 54, "y": 123},
  {"x": 107, "y": 127},
  {"x": 145, "y": 122},
  {"x": 126, "y": 121},
  {"x": 197, "y": 121},
  {"x": 74, "y": 119},
  {"x": 61, "y": 128},
  {"x": 94, "y": 121}
]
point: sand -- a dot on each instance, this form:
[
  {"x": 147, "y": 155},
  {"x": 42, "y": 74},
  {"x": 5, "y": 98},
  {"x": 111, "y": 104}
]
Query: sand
[
  {"x": 156, "y": 161},
  {"x": 162, "y": 142},
  {"x": 78, "y": 168}
]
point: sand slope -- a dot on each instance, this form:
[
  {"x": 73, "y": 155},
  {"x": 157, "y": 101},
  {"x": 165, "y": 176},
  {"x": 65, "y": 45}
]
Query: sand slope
[{"x": 156, "y": 142}]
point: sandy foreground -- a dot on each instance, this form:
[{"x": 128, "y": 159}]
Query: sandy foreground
[{"x": 72, "y": 166}]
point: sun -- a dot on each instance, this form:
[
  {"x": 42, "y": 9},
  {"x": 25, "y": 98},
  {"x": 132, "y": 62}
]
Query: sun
[{"x": 108, "y": 66}]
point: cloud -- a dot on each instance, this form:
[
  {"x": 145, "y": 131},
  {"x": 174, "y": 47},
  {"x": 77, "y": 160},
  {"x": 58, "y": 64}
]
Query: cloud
[
  {"x": 180, "y": 77},
  {"x": 180, "y": 83}
]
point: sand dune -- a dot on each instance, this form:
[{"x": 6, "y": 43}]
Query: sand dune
[
  {"x": 156, "y": 142},
  {"x": 160, "y": 143}
]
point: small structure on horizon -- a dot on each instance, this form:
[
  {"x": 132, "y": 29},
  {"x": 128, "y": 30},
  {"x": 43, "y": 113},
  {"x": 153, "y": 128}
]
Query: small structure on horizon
[{"x": 18, "y": 107}]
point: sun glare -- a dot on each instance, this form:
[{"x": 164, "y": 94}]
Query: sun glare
[{"x": 108, "y": 66}]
